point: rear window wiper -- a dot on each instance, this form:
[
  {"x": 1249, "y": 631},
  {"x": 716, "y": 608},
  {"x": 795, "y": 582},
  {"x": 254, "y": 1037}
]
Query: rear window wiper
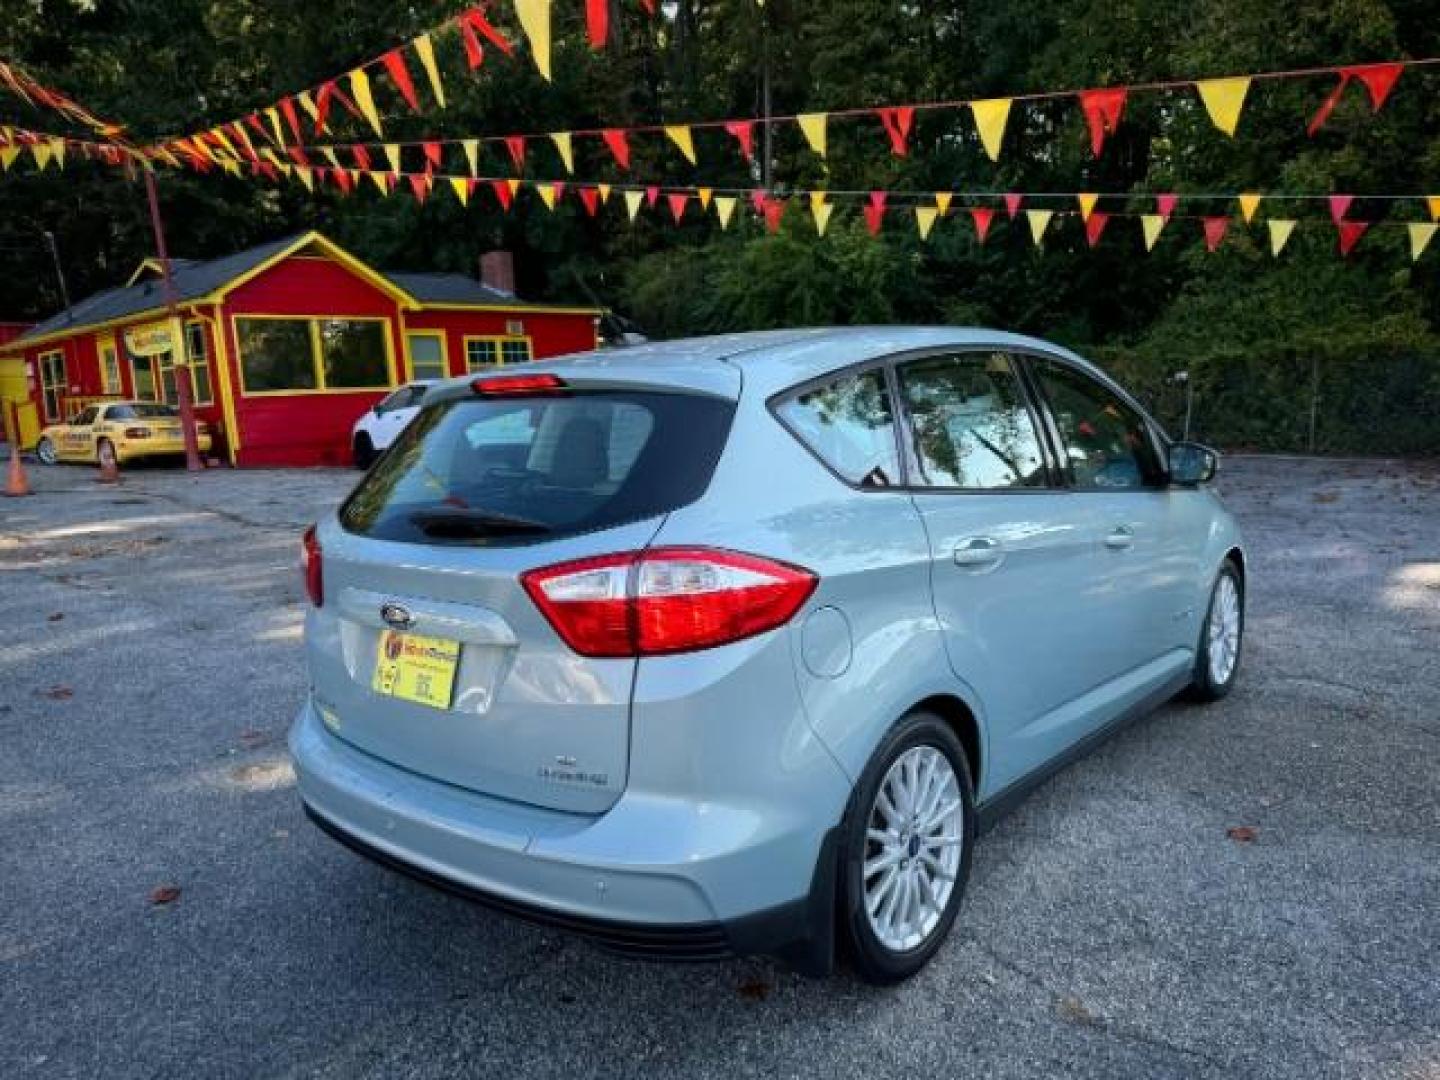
[{"x": 454, "y": 521}]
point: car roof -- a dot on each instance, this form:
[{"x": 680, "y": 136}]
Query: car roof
[{"x": 771, "y": 360}]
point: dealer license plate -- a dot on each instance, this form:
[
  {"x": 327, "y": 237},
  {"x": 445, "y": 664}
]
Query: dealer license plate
[{"x": 416, "y": 668}]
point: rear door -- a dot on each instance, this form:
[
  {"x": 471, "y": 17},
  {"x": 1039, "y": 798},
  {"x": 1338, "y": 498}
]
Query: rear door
[
  {"x": 1012, "y": 563},
  {"x": 77, "y": 437},
  {"x": 423, "y": 564}
]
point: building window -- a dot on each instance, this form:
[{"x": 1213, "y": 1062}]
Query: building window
[
  {"x": 498, "y": 350},
  {"x": 198, "y": 353},
  {"x": 53, "y": 382},
  {"x": 279, "y": 355},
  {"x": 427, "y": 355},
  {"x": 109, "y": 368},
  {"x": 142, "y": 376}
]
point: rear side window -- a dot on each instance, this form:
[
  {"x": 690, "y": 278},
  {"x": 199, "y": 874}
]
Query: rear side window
[
  {"x": 970, "y": 422},
  {"x": 848, "y": 424},
  {"x": 494, "y": 471}
]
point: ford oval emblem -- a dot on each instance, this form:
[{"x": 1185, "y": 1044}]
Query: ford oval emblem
[{"x": 395, "y": 615}]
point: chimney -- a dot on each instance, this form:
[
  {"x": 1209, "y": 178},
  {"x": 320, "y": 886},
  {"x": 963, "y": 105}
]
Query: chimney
[{"x": 497, "y": 270}]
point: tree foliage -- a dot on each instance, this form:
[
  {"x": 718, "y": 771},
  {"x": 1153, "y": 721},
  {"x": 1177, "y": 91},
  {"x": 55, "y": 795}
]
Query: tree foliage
[{"x": 1258, "y": 334}]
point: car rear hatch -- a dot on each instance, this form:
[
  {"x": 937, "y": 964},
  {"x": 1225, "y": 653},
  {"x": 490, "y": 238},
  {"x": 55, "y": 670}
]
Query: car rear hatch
[{"x": 428, "y": 652}]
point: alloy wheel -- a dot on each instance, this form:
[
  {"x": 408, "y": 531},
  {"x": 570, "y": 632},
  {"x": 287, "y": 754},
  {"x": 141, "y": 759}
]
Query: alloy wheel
[{"x": 1223, "y": 643}]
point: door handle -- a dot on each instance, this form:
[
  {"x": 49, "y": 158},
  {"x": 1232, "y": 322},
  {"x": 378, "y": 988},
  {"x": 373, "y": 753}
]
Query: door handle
[
  {"x": 1121, "y": 538},
  {"x": 978, "y": 552}
]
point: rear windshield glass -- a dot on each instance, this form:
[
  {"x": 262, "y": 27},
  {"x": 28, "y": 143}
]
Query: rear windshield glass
[
  {"x": 142, "y": 411},
  {"x": 494, "y": 471}
]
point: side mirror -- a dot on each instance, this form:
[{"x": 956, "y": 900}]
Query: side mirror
[{"x": 1192, "y": 464}]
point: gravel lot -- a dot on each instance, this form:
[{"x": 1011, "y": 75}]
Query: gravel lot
[{"x": 151, "y": 662}]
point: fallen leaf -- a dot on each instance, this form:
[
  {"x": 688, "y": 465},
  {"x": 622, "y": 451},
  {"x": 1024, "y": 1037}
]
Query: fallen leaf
[
  {"x": 1242, "y": 834},
  {"x": 1326, "y": 496},
  {"x": 754, "y": 989},
  {"x": 165, "y": 894},
  {"x": 1073, "y": 1009},
  {"x": 59, "y": 693},
  {"x": 55, "y": 617}
]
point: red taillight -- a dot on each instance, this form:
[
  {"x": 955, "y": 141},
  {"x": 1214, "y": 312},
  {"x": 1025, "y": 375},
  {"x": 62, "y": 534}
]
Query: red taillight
[
  {"x": 666, "y": 600},
  {"x": 517, "y": 384},
  {"x": 312, "y": 567}
]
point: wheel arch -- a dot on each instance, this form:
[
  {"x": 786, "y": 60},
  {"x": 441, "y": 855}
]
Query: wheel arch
[
  {"x": 963, "y": 721},
  {"x": 1237, "y": 556}
]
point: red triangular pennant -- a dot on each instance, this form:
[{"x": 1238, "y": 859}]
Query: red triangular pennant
[
  {"x": 744, "y": 132},
  {"x": 1103, "y": 109},
  {"x": 473, "y": 26},
  {"x": 774, "y": 211},
  {"x": 287, "y": 109},
  {"x": 394, "y": 62},
  {"x": 361, "y": 156},
  {"x": 1215, "y": 228},
  {"x": 897, "y": 123},
  {"x": 420, "y": 185},
  {"x": 503, "y": 193},
  {"x": 322, "y": 106},
  {"x": 1350, "y": 233},
  {"x": 597, "y": 22},
  {"x": 982, "y": 216},
  {"x": 516, "y": 145},
  {"x": 875, "y": 212},
  {"x": 298, "y": 156},
  {"x": 342, "y": 179},
  {"x": 1339, "y": 206},
  {"x": 1165, "y": 205},
  {"x": 1379, "y": 80},
  {"x": 757, "y": 200},
  {"x": 652, "y": 196},
  {"x": 1094, "y": 226},
  {"x": 677, "y": 201},
  {"x": 590, "y": 198},
  {"x": 434, "y": 155},
  {"x": 1013, "y": 203},
  {"x": 619, "y": 145}
]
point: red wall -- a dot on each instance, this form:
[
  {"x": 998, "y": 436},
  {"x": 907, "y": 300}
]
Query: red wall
[
  {"x": 303, "y": 428},
  {"x": 551, "y": 333}
]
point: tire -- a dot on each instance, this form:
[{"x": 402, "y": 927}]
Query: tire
[
  {"x": 364, "y": 451},
  {"x": 889, "y": 951},
  {"x": 1222, "y": 637},
  {"x": 45, "y": 452}
]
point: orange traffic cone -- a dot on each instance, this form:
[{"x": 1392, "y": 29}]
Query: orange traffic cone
[
  {"x": 15, "y": 482},
  {"x": 109, "y": 466}
]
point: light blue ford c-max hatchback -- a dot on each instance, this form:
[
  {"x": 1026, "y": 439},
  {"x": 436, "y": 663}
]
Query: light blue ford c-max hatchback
[{"x": 730, "y": 645}]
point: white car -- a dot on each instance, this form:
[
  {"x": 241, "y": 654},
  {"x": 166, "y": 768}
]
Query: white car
[{"x": 377, "y": 428}]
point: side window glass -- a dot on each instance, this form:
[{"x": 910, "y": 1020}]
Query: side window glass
[
  {"x": 971, "y": 426},
  {"x": 85, "y": 417},
  {"x": 850, "y": 425},
  {"x": 1105, "y": 440}
]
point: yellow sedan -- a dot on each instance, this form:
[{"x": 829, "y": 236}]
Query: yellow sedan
[{"x": 128, "y": 429}]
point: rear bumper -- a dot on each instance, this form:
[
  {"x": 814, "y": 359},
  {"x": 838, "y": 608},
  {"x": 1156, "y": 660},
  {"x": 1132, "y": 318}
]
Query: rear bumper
[
  {"x": 578, "y": 873},
  {"x": 130, "y": 449}
]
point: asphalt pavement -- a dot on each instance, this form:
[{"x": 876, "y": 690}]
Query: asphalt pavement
[{"x": 1117, "y": 925}]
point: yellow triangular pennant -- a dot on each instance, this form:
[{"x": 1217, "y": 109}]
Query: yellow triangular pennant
[
  {"x": 562, "y": 142},
  {"x": 704, "y": 194},
  {"x": 813, "y": 125},
  {"x": 1151, "y": 224},
  {"x": 547, "y": 195},
  {"x": 1433, "y": 202},
  {"x": 329, "y": 153},
  {"x": 360, "y": 90},
  {"x": 380, "y": 181},
  {"x": 306, "y": 102},
  {"x": 1087, "y": 200},
  {"x": 990, "y": 119},
  {"x": 633, "y": 199},
  {"x": 942, "y": 201},
  {"x": 461, "y": 186},
  {"x": 41, "y": 153},
  {"x": 821, "y": 210},
  {"x": 1421, "y": 233},
  {"x": 392, "y": 155},
  {"x": 725, "y": 209},
  {"x": 57, "y": 150},
  {"x": 472, "y": 154},
  {"x": 1249, "y": 203},
  {"x": 534, "y": 18},
  {"x": 1280, "y": 230},
  {"x": 426, "y": 51},
  {"x": 1223, "y": 100},
  {"x": 231, "y": 167},
  {"x": 273, "y": 115},
  {"x": 8, "y": 154},
  {"x": 306, "y": 177},
  {"x": 513, "y": 183},
  {"x": 604, "y": 190},
  {"x": 1039, "y": 222},
  {"x": 925, "y": 220},
  {"x": 680, "y": 136}
]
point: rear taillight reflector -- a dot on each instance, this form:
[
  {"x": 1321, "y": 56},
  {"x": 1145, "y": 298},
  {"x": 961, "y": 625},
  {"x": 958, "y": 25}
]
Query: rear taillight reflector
[
  {"x": 517, "y": 384},
  {"x": 666, "y": 600},
  {"x": 312, "y": 567}
]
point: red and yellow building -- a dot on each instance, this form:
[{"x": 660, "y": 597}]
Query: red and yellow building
[{"x": 288, "y": 343}]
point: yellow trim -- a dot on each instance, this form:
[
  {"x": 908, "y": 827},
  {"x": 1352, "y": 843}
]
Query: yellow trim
[
  {"x": 227, "y": 397},
  {"x": 108, "y": 342},
  {"x": 331, "y": 249},
  {"x": 520, "y": 310},
  {"x": 315, "y": 355},
  {"x": 190, "y": 361},
  {"x": 497, "y": 340},
  {"x": 149, "y": 263},
  {"x": 407, "y": 334}
]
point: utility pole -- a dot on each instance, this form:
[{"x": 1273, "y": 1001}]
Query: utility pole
[
  {"x": 59, "y": 269},
  {"x": 765, "y": 98},
  {"x": 181, "y": 361}
]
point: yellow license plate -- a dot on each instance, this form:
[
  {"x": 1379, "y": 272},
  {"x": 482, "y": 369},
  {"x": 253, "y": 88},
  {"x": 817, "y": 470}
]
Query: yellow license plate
[{"x": 416, "y": 668}]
